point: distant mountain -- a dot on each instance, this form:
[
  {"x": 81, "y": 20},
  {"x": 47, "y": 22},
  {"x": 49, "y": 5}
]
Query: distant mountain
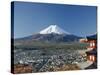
[{"x": 53, "y": 33}]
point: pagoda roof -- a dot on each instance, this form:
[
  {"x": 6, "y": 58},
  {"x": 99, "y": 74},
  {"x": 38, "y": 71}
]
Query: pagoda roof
[
  {"x": 92, "y": 52},
  {"x": 92, "y": 37}
]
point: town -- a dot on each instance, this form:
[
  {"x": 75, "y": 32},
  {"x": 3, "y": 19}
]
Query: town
[{"x": 49, "y": 60}]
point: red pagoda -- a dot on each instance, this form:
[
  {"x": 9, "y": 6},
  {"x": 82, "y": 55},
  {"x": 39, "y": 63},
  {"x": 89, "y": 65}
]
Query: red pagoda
[{"x": 91, "y": 50}]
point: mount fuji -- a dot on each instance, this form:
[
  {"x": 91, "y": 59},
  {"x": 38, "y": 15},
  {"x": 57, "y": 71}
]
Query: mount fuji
[
  {"x": 53, "y": 29},
  {"x": 53, "y": 33}
]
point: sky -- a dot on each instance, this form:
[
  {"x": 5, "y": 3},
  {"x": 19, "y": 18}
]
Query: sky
[{"x": 30, "y": 18}]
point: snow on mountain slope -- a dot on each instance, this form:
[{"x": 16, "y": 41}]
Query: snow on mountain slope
[{"x": 53, "y": 29}]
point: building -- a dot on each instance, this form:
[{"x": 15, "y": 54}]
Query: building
[
  {"x": 92, "y": 48},
  {"x": 91, "y": 52}
]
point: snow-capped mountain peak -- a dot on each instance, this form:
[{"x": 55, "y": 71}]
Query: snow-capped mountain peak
[{"x": 53, "y": 29}]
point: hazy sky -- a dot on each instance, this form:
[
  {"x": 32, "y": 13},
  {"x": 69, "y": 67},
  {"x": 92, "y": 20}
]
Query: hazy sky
[{"x": 30, "y": 18}]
